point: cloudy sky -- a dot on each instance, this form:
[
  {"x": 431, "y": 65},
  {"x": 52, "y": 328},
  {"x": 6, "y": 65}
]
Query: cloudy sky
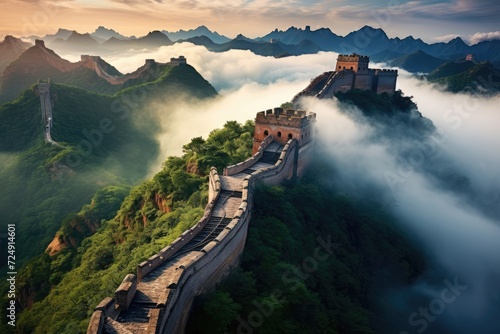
[{"x": 430, "y": 20}]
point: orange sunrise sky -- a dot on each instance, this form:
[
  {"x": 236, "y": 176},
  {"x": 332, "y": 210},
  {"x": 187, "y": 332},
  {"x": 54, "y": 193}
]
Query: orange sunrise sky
[{"x": 430, "y": 20}]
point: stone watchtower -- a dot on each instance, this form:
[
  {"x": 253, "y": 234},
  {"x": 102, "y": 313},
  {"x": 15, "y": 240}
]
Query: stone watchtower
[
  {"x": 284, "y": 125},
  {"x": 352, "y": 62}
]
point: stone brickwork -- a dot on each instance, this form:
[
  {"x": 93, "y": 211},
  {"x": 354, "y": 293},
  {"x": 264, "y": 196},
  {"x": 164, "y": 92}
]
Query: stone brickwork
[
  {"x": 365, "y": 80},
  {"x": 352, "y": 62},
  {"x": 160, "y": 299},
  {"x": 126, "y": 291},
  {"x": 386, "y": 81},
  {"x": 283, "y": 125}
]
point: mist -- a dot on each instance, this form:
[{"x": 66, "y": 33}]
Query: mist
[
  {"x": 458, "y": 230},
  {"x": 246, "y": 84}
]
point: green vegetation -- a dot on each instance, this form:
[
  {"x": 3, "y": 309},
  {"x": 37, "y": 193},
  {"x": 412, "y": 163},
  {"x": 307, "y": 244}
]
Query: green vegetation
[
  {"x": 396, "y": 115},
  {"x": 467, "y": 77},
  {"x": 289, "y": 282},
  {"x": 373, "y": 104},
  {"x": 45, "y": 182},
  {"x": 107, "y": 144},
  {"x": 102, "y": 140},
  {"x": 418, "y": 61},
  {"x": 150, "y": 217}
]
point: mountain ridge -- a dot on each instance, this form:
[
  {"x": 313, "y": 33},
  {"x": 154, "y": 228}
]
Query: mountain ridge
[
  {"x": 91, "y": 72},
  {"x": 367, "y": 40}
]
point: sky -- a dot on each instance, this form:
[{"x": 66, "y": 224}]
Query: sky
[{"x": 430, "y": 20}]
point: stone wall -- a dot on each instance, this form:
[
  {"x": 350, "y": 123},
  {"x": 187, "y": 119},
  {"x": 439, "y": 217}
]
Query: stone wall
[
  {"x": 199, "y": 271},
  {"x": 342, "y": 82},
  {"x": 241, "y": 166},
  {"x": 126, "y": 291},
  {"x": 386, "y": 81},
  {"x": 206, "y": 268},
  {"x": 156, "y": 260},
  {"x": 364, "y": 80}
]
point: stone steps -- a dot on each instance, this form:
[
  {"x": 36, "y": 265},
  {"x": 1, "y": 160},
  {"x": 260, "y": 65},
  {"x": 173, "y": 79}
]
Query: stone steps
[
  {"x": 136, "y": 318},
  {"x": 271, "y": 157}
]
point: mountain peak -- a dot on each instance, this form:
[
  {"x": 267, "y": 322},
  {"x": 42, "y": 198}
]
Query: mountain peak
[
  {"x": 155, "y": 33},
  {"x": 63, "y": 31},
  {"x": 203, "y": 28},
  {"x": 457, "y": 40},
  {"x": 367, "y": 27},
  {"x": 10, "y": 39},
  {"x": 240, "y": 37}
]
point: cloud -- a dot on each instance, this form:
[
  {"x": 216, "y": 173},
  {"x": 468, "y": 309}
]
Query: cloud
[
  {"x": 445, "y": 38},
  {"x": 457, "y": 230},
  {"x": 247, "y": 84},
  {"x": 484, "y": 36}
]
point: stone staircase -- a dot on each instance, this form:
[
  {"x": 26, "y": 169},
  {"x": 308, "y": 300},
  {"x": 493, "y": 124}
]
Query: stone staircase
[{"x": 137, "y": 317}]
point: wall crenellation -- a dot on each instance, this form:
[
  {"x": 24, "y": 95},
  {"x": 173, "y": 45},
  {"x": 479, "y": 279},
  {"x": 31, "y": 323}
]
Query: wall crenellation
[{"x": 283, "y": 125}]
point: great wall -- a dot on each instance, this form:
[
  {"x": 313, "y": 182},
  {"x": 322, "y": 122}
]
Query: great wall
[
  {"x": 351, "y": 72},
  {"x": 158, "y": 298},
  {"x": 43, "y": 89},
  {"x": 102, "y": 68}
]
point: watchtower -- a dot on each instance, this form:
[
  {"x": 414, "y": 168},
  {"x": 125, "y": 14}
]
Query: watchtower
[
  {"x": 352, "y": 62},
  {"x": 284, "y": 125},
  {"x": 181, "y": 60}
]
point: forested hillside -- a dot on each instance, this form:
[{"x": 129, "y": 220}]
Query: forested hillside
[
  {"x": 150, "y": 217},
  {"x": 100, "y": 142},
  {"x": 316, "y": 261}
]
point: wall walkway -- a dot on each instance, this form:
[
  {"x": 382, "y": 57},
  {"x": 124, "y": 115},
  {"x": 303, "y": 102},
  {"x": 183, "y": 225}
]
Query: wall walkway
[{"x": 158, "y": 299}]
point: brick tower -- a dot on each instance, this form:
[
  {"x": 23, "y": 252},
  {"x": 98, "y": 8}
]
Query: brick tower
[
  {"x": 352, "y": 62},
  {"x": 284, "y": 125}
]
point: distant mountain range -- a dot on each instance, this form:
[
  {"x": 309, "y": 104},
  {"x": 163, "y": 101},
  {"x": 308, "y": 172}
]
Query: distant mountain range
[
  {"x": 370, "y": 41},
  {"x": 200, "y": 31},
  {"x": 21, "y": 66},
  {"x": 274, "y": 48},
  {"x": 91, "y": 43}
]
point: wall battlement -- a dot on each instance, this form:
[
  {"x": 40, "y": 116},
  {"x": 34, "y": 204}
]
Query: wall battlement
[
  {"x": 353, "y": 57},
  {"x": 283, "y": 125},
  {"x": 383, "y": 71},
  {"x": 290, "y": 117},
  {"x": 182, "y": 275}
]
